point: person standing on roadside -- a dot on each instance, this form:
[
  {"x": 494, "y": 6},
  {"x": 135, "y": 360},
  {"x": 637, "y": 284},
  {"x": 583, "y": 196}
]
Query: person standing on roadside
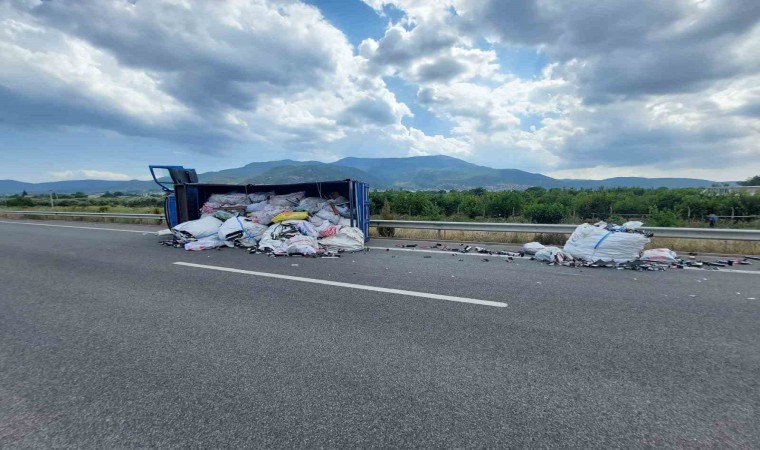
[{"x": 713, "y": 220}]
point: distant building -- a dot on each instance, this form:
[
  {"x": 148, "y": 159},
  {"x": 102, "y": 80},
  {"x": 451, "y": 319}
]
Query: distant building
[{"x": 723, "y": 190}]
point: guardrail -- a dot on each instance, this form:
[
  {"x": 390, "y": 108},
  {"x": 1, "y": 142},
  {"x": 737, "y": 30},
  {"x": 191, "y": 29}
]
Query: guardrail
[
  {"x": 159, "y": 217},
  {"x": 666, "y": 232}
]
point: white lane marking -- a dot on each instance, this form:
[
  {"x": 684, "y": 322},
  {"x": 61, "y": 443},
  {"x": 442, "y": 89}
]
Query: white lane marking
[
  {"x": 72, "y": 226},
  {"x": 348, "y": 285}
]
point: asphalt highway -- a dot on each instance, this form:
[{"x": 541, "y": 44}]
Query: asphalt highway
[{"x": 107, "y": 342}]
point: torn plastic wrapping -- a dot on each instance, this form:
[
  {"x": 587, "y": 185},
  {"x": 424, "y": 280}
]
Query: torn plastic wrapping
[
  {"x": 532, "y": 247},
  {"x": 205, "y": 243},
  {"x": 553, "y": 254},
  {"x": 664, "y": 255}
]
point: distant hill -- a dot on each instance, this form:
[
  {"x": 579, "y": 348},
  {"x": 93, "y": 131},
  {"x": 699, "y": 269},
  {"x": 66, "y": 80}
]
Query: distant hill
[
  {"x": 640, "y": 182},
  {"x": 445, "y": 172},
  {"x": 250, "y": 171},
  {"x": 70, "y": 186},
  {"x": 414, "y": 173}
]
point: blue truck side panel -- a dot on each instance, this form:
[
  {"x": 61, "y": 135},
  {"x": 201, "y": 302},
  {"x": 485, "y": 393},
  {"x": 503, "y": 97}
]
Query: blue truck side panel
[
  {"x": 361, "y": 203},
  {"x": 170, "y": 210}
]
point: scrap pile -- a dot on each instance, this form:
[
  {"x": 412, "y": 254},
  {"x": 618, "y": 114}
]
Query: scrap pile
[
  {"x": 262, "y": 222},
  {"x": 618, "y": 246}
]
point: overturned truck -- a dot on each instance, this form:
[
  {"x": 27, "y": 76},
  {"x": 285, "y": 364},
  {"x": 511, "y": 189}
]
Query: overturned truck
[{"x": 293, "y": 218}]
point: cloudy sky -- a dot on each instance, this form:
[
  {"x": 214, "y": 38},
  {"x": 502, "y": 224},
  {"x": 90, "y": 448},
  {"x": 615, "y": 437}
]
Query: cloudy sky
[{"x": 592, "y": 89}]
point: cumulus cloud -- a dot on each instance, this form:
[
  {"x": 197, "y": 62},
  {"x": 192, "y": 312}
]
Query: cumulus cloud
[
  {"x": 653, "y": 84},
  {"x": 626, "y": 83},
  {"x": 202, "y": 74}
]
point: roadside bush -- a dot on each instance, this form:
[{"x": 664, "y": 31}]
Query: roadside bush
[
  {"x": 19, "y": 202},
  {"x": 542, "y": 213},
  {"x": 663, "y": 219}
]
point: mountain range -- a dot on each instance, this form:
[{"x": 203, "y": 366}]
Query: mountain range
[{"x": 413, "y": 173}]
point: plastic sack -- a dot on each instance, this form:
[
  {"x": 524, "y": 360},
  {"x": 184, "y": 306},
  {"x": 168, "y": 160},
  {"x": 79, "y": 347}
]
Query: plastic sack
[
  {"x": 317, "y": 221},
  {"x": 553, "y": 254},
  {"x": 233, "y": 198},
  {"x": 301, "y": 245},
  {"x": 326, "y": 229},
  {"x": 290, "y": 215},
  {"x": 532, "y": 247},
  {"x": 343, "y": 211},
  {"x": 348, "y": 239},
  {"x": 258, "y": 206},
  {"x": 209, "y": 208},
  {"x": 275, "y": 237},
  {"x": 197, "y": 229},
  {"x": 339, "y": 200},
  {"x": 304, "y": 227},
  {"x": 205, "y": 243},
  {"x": 287, "y": 200},
  {"x": 241, "y": 228},
  {"x": 632, "y": 225},
  {"x": 591, "y": 243},
  {"x": 266, "y": 215},
  {"x": 664, "y": 255},
  {"x": 310, "y": 204},
  {"x": 258, "y": 197},
  {"x": 224, "y": 215},
  {"x": 327, "y": 214}
]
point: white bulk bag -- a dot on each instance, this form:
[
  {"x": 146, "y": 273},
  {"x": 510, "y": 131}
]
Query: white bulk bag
[
  {"x": 241, "y": 228},
  {"x": 197, "y": 229},
  {"x": 591, "y": 243},
  {"x": 348, "y": 239}
]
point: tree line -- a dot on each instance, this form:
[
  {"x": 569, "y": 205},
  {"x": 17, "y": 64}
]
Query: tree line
[
  {"x": 82, "y": 200},
  {"x": 660, "y": 207}
]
